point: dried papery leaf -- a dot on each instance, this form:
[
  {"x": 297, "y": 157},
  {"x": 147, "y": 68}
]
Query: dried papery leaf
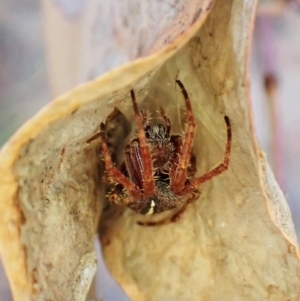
[
  {"x": 50, "y": 202},
  {"x": 236, "y": 242}
]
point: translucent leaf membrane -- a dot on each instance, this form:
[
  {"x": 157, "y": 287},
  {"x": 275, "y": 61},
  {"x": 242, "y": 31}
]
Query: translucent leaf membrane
[{"x": 236, "y": 242}]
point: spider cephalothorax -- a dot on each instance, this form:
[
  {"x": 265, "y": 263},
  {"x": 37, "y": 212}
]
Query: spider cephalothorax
[
  {"x": 157, "y": 173},
  {"x": 161, "y": 146}
]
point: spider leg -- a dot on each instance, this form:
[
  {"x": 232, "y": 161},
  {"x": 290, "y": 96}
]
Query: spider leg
[
  {"x": 133, "y": 164},
  {"x": 178, "y": 173},
  {"x": 177, "y": 143},
  {"x": 145, "y": 117},
  {"x": 148, "y": 183},
  {"x": 92, "y": 138},
  {"x": 177, "y": 215},
  {"x": 166, "y": 119},
  {"x": 113, "y": 115},
  {"x": 113, "y": 172},
  {"x": 222, "y": 166}
]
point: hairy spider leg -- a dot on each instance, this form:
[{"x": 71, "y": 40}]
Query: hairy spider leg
[
  {"x": 177, "y": 215},
  {"x": 166, "y": 119},
  {"x": 113, "y": 172},
  {"x": 222, "y": 166},
  {"x": 94, "y": 137},
  {"x": 177, "y": 143},
  {"x": 145, "y": 117},
  {"x": 148, "y": 184},
  {"x": 133, "y": 163},
  {"x": 111, "y": 116},
  {"x": 179, "y": 174}
]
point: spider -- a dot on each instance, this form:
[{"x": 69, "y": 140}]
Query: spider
[{"x": 158, "y": 171}]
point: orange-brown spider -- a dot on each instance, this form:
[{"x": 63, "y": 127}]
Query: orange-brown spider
[{"x": 157, "y": 174}]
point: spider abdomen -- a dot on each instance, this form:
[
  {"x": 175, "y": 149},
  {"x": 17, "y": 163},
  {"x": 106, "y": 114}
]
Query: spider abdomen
[{"x": 163, "y": 199}]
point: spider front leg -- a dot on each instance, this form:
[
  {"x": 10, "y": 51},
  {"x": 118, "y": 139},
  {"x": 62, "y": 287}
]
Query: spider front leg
[
  {"x": 217, "y": 170},
  {"x": 113, "y": 172},
  {"x": 148, "y": 182},
  {"x": 222, "y": 166},
  {"x": 178, "y": 174}
]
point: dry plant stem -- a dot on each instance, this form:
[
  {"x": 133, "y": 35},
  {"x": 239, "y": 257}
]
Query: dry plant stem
[
  {"x": 269, "y": 58},
  {"x": 271, "y": 88}
]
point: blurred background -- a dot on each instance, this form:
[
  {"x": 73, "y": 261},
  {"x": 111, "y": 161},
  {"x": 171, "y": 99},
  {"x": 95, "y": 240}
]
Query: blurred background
[{"x": 40, "y": 43}]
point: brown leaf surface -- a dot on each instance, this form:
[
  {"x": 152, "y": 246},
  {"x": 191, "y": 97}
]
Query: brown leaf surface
[{"x": 237, "y": 242}]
